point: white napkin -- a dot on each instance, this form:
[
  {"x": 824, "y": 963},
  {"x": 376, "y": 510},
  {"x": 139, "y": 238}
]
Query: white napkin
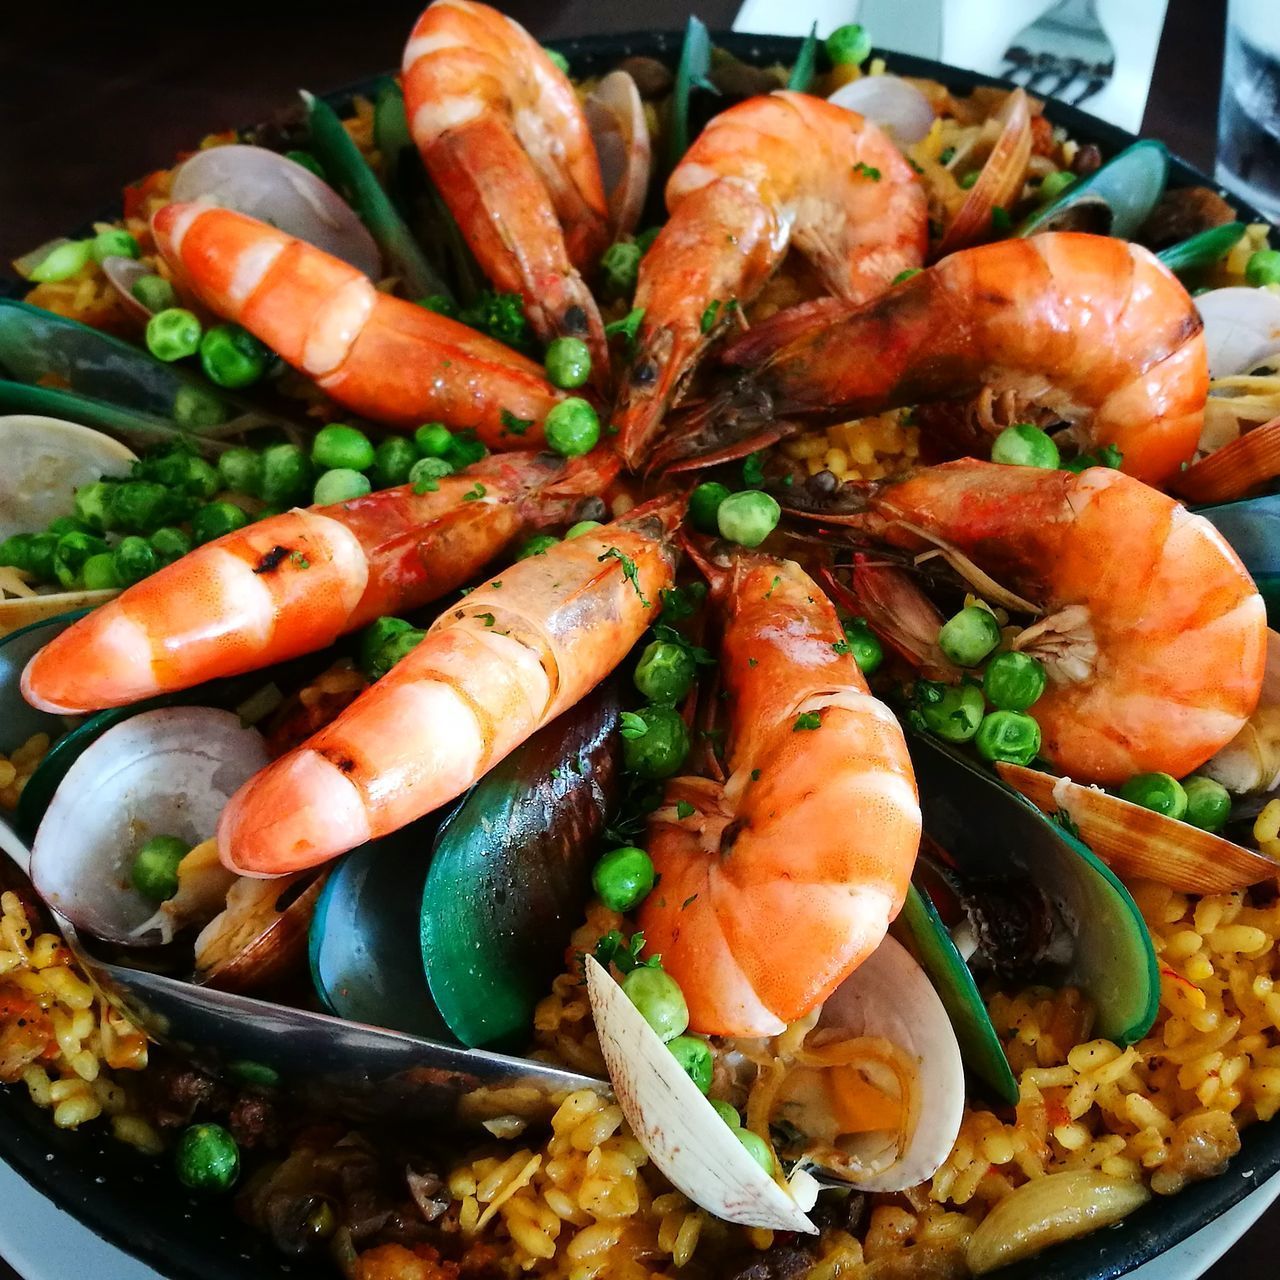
[{"x": 975, "y": 34}]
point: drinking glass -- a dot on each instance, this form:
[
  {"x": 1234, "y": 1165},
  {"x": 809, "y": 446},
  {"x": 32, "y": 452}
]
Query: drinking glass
[{"x": 1249, "y": 110}]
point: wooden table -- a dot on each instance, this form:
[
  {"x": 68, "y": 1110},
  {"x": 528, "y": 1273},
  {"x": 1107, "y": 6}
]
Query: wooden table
[{"x": 93, "y": 98}]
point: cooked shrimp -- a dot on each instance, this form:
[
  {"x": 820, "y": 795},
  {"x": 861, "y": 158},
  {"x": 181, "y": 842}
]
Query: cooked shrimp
[
  {"x": 1092, "y": 330},
  {"x": 292, "y": 584},
  {"x": 1153, "y": 633},
  {"x": 770, "y": 172},
  {"x": 380, "y": 356},
  {"x": 785, "y": 876},
  {"x": 505, "y": 139},
  {"x": 512, "y": 656}
]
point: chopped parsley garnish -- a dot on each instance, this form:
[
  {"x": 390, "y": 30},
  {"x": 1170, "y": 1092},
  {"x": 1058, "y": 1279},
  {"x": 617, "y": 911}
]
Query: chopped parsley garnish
[
  {"x": 475, "y": 492},
  {"x": 809, "y": 720},
  {"x": 627, "y": 328},
  {"x": 511, "y": 425},
  {"x": 753, "y": 470},
  {"x": 633, "y": 725},
  {"x": 684, "y": 809},
  {"x": 624, "y": 953},
  {"x": 867, "y": 171},
  {"x": 710, "y": 315},
  {"x": 629, "y": 570},
  {"x": 487, "y": 618}
]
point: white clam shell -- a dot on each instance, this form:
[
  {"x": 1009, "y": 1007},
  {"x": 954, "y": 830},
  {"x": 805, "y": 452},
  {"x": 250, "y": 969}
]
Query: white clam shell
[
  {"x": 899, "y": 108},
  {"x": 1241, "y": 328},
  {"x": 266, "y": 186},
  {"x": 164, "y": 772},
  {"x": 615, "y": 116}
]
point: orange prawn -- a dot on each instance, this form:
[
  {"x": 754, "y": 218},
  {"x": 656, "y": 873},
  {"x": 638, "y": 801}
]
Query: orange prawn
[
  {"x": 1089, "y": 330},
  {"x": 380, "y": 356},
  {"x": 512, "y": 656},
  {"x": 786, "y": 169},
  {"x": 506, "y": 141},
  {"x": 784, "y": 877},
  {"x": 294, "y": 582},
  {"x": 1152, "y": 633}
]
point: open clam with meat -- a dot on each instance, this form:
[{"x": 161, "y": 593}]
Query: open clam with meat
[{"x": 657, "y": 673}]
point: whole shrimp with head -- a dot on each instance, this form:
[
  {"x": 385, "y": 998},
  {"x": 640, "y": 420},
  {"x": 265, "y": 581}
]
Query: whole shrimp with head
[
  {"x": 769, "y": 173},
  {"x": 1151, "y": 631},
  {"x": 505, "y": 140},
  {"x": 1085, "y": 330},
  {"x": 783, "y": 878}
]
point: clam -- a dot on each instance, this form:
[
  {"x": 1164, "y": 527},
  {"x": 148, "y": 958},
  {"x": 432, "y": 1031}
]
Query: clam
[
  {"x": 1241, "y": 328},
  {"x": 123, "y": 274},
  {"x": 1228, "y": 472},
  {"x": 168, "y": 771},
  {"x": 1137, "y": 842},
  {"x": 1114, "y": 200},
  {"x": 265, "y": 185},
  {"x": 1086, "y": 929},
  {"x": 1250, "y": 763},
  {"x": 350, "y": 172},
  {"x": 620, "y": 131},
  {"x": 893, "y": 103}
]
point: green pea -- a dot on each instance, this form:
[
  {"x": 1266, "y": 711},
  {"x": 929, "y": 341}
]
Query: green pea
[
  {"x": 41, "y": 555},
  {"x": 1263, "y": 267},
  {"x": 155, "y": 867},
  {"x": 849, "y": 45},
  {"x": 425, "y": 474},
  {"x": 433, "y": 439},
  {"x": 757, "y": 1148},
  {"x": 62, "y": 262},
  {"x": 1055, "y": 183},
  {"x": 695, "y": 1058},
  {"x": 170, "y": 544},
  {"x": 748, "y": 518},
  {"x": 154, "y": 292},
  {"x": 195, "y": 407},
  {"x": 186, "y": 472},
  {"x": 864, "y": 645},
  {"x": 173, "y": 334},
  {"x": 257, "y": 1074},
  {"x": 392, "y": 650},
  {"x": 1013, "y": 681},
  {"x": 1025, "y": 445},
  {"x": 950, "y": 712},
  {"x": 134, "y": 559},
  {"x": 114, "y": 244},
  {"x": 704, "y": 506},
  {"x": 216, "y": 520},
  {"x": 207, "y": 1158},
  {"x": 572, "y": 427},
  {"x": 99, "y": 572},
  {"x": 558, "y": 60},
  {"x": 286, "y": 475},
  {"x": 240, "y": 470},
  {"x": 969, "y": 636},
  {"x": 15, "y": 551},
  {"x": 969, "y": 180},
  {"x": 232, "y": 357},
  {"x": 655, "y": 742},
  {"x": 68, "y": 524},
  {"x": 623, "y": 878},
  {"x": 72, "y": 550},
  {"x": 93, "y": 504},
  {"x": 340, "y": 485},
  {"x": 308, "y": 162},
  {"x": 665, "y": 672},
  {"x": 393, "y": 459},
  {"x": 1208, "y": 803},
  {"x": 620, "y": 269},
  {"x": 142, "y": 506},
  {"x": 1158, "y": 792},
  {"x": 568, "y": 362},
  {"x": 538, "y": 545},
  {"x": 1012, "y": 736},
  {"x": 726, "y": 1113},
  {"x": 374, "y": 637},
  {"x": 658, "y": 997},
  {"x": 583, "y": 526},
  {"x": 340, "y": 447},
  {"x": 464, "y": 449}
]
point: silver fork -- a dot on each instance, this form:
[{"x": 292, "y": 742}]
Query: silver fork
[{"x": 1064, "y": 45}]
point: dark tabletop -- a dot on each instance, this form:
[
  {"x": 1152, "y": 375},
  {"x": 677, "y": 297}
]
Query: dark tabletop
[{"x": 94, "y": 96}]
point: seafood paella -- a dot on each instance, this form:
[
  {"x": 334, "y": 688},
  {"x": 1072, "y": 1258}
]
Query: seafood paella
[{"x": 721, "y": 612}]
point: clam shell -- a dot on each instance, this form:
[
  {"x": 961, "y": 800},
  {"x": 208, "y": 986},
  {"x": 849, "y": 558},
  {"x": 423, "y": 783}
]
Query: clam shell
[
  {"x": 620, "y": 131},
  {"x": 1139, "y": 843}
]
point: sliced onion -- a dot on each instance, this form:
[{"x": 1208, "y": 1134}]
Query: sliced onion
[
  {"x": 30, "y": 260},
  {"x": 264, "y": 185},
  {"x": 1241, "y": 328},
  {"x": 896, "y": 106},
  {"x": 1000, "y": 181},
  {"x": 615, "y": 116}
]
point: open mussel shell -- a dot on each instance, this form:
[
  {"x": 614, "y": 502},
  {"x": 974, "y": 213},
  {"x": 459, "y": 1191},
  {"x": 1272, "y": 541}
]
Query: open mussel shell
[
  {"x": 1115, "y": 200},
  {"x": 164, "y": 772},
  {"x": 993, "y": 834},
  {"x": 1139, "y": 843},
  {"x": 366, "y": 958},
  {"x": 510, "y": 874},
  {"x": 938, "y": 955}
]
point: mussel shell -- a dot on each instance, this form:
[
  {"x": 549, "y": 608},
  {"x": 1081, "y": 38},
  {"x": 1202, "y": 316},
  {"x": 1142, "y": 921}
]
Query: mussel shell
[
  {"x": 1115, "y": 200},
  {"x": 510, "y": 874},
  {"x": 938, "y": 955},
  {"x": 990, "y": 831}
]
